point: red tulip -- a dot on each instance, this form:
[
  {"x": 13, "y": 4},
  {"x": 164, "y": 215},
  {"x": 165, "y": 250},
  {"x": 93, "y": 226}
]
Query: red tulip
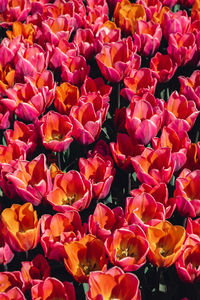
[
  {"x": 52, "y": 288},
  {"x": 186, "y": 193},
  {"x": 117, "y": 59},
  {"x": 104, "y": 221},
  {"x": 59, "y": 229},
  {"x": 154, "y": 166}
]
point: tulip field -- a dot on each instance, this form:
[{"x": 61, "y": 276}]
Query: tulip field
[{"x": 99, "y": 150}]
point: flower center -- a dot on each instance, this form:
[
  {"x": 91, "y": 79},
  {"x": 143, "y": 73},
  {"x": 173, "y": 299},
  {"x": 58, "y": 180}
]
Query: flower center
[{"x": 69, "y": 199}]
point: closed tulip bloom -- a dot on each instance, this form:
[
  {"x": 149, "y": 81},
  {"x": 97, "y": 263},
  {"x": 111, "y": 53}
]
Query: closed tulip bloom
[
  {"x": 187, "y": 194},
  {"x": 22, "y": 226},
  {"x": 117, "y": 59},
  {"x": 127, "y": 14}
]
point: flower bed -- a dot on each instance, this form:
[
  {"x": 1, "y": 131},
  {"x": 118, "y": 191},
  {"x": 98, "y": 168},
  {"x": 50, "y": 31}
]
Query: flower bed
[{"x": 99, "y": 149}]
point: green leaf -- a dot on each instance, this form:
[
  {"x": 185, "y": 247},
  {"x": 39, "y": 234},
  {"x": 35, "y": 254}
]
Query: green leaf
[
  {"x": 86, "y": 287},
  {"x": 108, "y": 199}
]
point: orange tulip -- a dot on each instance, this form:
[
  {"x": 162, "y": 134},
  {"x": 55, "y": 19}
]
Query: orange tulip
[
  {"x": 165, "y": 243},
  {"x": 19, "y": 29},
  {"x": 84, "y": 256},
  {"x": 127, "y": 14},
  {"x": 67, "y": 95},
  {"x": 22, "y": 228}
]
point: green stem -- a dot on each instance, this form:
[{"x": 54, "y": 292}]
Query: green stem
[
  {"x": 118, "y": 95},
  {"x": 59, "y": 160}
]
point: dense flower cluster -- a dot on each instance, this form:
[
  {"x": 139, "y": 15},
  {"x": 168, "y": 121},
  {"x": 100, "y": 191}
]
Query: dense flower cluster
[{"x": 99, "y": 150}]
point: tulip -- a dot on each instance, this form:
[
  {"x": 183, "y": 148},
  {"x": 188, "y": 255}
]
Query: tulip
[
  {"x": 178, "y": 142},
  {"x": 127, "y": 14},
  {"x": 180, "y": 112},
  {"x": 165, "y": 243},
  {"x": 66, "y": 97},
  {"x": 24, "y": 135},
  {"x": 163, "y": 66},
  {"x": 182, "y": 47},
  {"x": 107, "y": 33},
  {"x": 75, "y": 70},
  {"x": 86, "y": 123},
  {"x": 186, "y": 193},
  {"x": 188, "y": 264},
  {"x": 111, "y": 285},
  {"x": 140, "y": 82},
  {"x": 9, "y": 280},
  {"x": 154, "y": 166},
  {"x": 59, "y": 229},
  {"x": 21, "y": 225},
  {"x": 55, "y": 29},
  {"x": 100, "y": 172},
  {"x": 88, "y": 255},
  {"x": 147, "y": 37},
  {"x": 144, "y": 210},
  {"x": 31, "y": 180},
  {"x": 177, "y": 22},
  {"x": 104, "y": 221},
  {"x": 96, "y": 18},
  {"x": 151, "y": 7},
  {"x": 123, "y": 150},
  {"x": 193, "y": 227},
  {"x": 56, "y": 130},
  {"x": 13, "y": 294},
  {"x": 5, "y": 116},
  {"x": 8, "y": 154},
  {"x": 29, "y": 61},
  {"x": 70, "y": 191},
  {"x": 34, "y": 271},
  {"x": 27, "y": 101},
  {"x": 26, "y": 31},
  {"x": 15, "y": 11},
  {"x": 117, "y": 59},
  {"x": 52, "y": 288},
  {"x": 6, "y": 254},
  {"x": 96, "y": 86},
  {"x": 143, "y": 121},
  {"x": 160, "y": 193},
  {"x": 190, "y": 87},
  {"x": 84, "y": 38},
  {"x": 127, "y": 248}
]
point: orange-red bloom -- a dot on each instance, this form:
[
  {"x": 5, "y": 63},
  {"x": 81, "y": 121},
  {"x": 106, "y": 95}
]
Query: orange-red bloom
[
  {"x": 85, "y": 256},
  {"x": 127, "y": 248},
  {"x": 31, "y": 179},
  {"x": 22, "y": 228},
  {"x": 165, "y": 243},
  {"x": 113, "y": 284},
  {"x": 56, "y": 131},
  {"x": 70, "y": 191}
]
